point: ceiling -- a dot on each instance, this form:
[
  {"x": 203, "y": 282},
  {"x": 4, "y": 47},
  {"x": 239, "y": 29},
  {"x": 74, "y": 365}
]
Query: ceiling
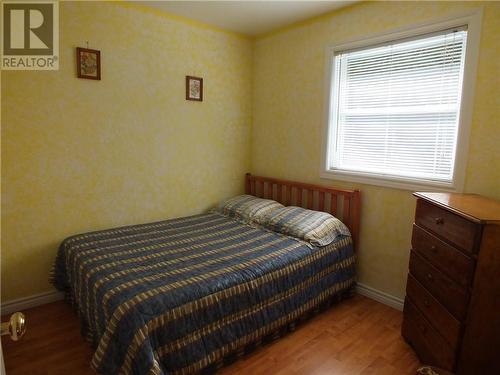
[{"x": 247, "y": 17}]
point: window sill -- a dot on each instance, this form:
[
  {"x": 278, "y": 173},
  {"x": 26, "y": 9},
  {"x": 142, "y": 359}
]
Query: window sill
[{"x": 387, "y": 181}]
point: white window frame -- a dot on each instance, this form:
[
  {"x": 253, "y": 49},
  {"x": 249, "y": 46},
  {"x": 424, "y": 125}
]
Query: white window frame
[{"x": 473, "y": 23}]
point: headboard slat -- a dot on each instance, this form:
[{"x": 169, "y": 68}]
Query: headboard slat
[
  {"x": 310, "y": 199},
  {"x": 299, "y": 197},
  {"x": 321, "y": 201},
  {"x": 288, "y": 195},
  {"x": 346, "y": 215},
  {"x": 333, "y": 204},
  {"x": 286, "y": 191}
]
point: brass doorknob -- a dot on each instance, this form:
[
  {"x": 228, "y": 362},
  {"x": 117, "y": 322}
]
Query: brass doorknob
[{"x": 15, "y": 327}]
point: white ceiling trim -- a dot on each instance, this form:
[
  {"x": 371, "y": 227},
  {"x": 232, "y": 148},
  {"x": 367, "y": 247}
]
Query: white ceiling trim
[{"x": 251, "y": 18}]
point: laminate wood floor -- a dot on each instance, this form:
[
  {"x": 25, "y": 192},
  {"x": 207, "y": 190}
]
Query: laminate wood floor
[{"x": 357, "y": 336}]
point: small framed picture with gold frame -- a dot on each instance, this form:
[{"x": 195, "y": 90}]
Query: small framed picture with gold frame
[
  {"x": 194, "y": 88},
  {"x": 88, "y": 63}
]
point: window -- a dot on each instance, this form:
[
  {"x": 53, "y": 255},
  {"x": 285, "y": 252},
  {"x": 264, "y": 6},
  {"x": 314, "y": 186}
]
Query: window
[{"x": 395, "y": 110}]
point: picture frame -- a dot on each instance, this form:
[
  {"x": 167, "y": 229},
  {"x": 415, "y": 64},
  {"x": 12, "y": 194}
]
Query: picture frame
[
  {"x": 88, "y": 63},
  {"x": 194, "y": 88}
]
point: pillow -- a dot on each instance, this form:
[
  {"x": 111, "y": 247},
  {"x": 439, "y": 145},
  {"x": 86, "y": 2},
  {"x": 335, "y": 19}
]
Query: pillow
[
  {"x": 318, "y": 228},
  {"x": 248, "y": 208}
]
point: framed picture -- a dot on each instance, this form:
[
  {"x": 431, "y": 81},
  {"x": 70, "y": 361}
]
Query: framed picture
[
  {"x": 194, "y": 88},
  {"x": 88, "y": 63}
]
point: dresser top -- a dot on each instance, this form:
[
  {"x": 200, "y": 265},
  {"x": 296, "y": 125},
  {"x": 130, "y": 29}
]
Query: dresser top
[{"x": 471, "y": 206}]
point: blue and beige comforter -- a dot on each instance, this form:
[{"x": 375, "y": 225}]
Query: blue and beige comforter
[{"x": 173, "y": 297}]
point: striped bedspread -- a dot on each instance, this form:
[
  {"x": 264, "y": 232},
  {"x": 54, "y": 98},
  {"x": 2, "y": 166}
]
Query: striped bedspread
[{"x": 173, "y": 297}]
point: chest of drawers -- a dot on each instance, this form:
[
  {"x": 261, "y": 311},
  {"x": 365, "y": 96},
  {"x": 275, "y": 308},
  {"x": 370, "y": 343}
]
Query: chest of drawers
[{"x": 452, "y": 305}]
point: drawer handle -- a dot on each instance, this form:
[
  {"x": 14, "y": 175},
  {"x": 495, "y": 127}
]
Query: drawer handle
[
  {"x": 423, "y": 328},
  {"x": 429, "y": 277},
  {"x": 426, "y": 303},
  {"x": 439, "y": 220},
  {"x": 434, "y": 248}
]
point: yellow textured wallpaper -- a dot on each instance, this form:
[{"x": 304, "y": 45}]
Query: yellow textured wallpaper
[
  {"x": 81, "y": 155},
  {"x": 288, "y": 113}
]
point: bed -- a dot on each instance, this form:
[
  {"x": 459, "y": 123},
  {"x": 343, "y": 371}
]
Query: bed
[{"x": 184, "y": 295}]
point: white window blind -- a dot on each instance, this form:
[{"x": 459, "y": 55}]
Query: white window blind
[{"x": 395, "y": 107}]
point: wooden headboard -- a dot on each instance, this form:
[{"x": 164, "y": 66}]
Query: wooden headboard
[{"x": 343, "y": 204}]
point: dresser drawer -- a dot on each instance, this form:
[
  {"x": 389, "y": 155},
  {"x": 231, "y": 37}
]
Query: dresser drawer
[
  {"x": 432, "y": 349},
  {"x": 450, "y": 294},
  {"x": 441, "y": 319},
  {"x": 451, "y": 261},
  {"x": 449, "y": 226}
]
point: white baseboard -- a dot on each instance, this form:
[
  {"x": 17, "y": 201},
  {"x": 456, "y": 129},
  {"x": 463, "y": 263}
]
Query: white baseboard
[
  {"x": 21, "y": 304},
  {"x": 379, "y": 296}
]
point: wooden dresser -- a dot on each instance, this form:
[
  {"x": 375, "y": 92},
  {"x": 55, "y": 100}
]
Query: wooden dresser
[{"x": 452, "y": 305}]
